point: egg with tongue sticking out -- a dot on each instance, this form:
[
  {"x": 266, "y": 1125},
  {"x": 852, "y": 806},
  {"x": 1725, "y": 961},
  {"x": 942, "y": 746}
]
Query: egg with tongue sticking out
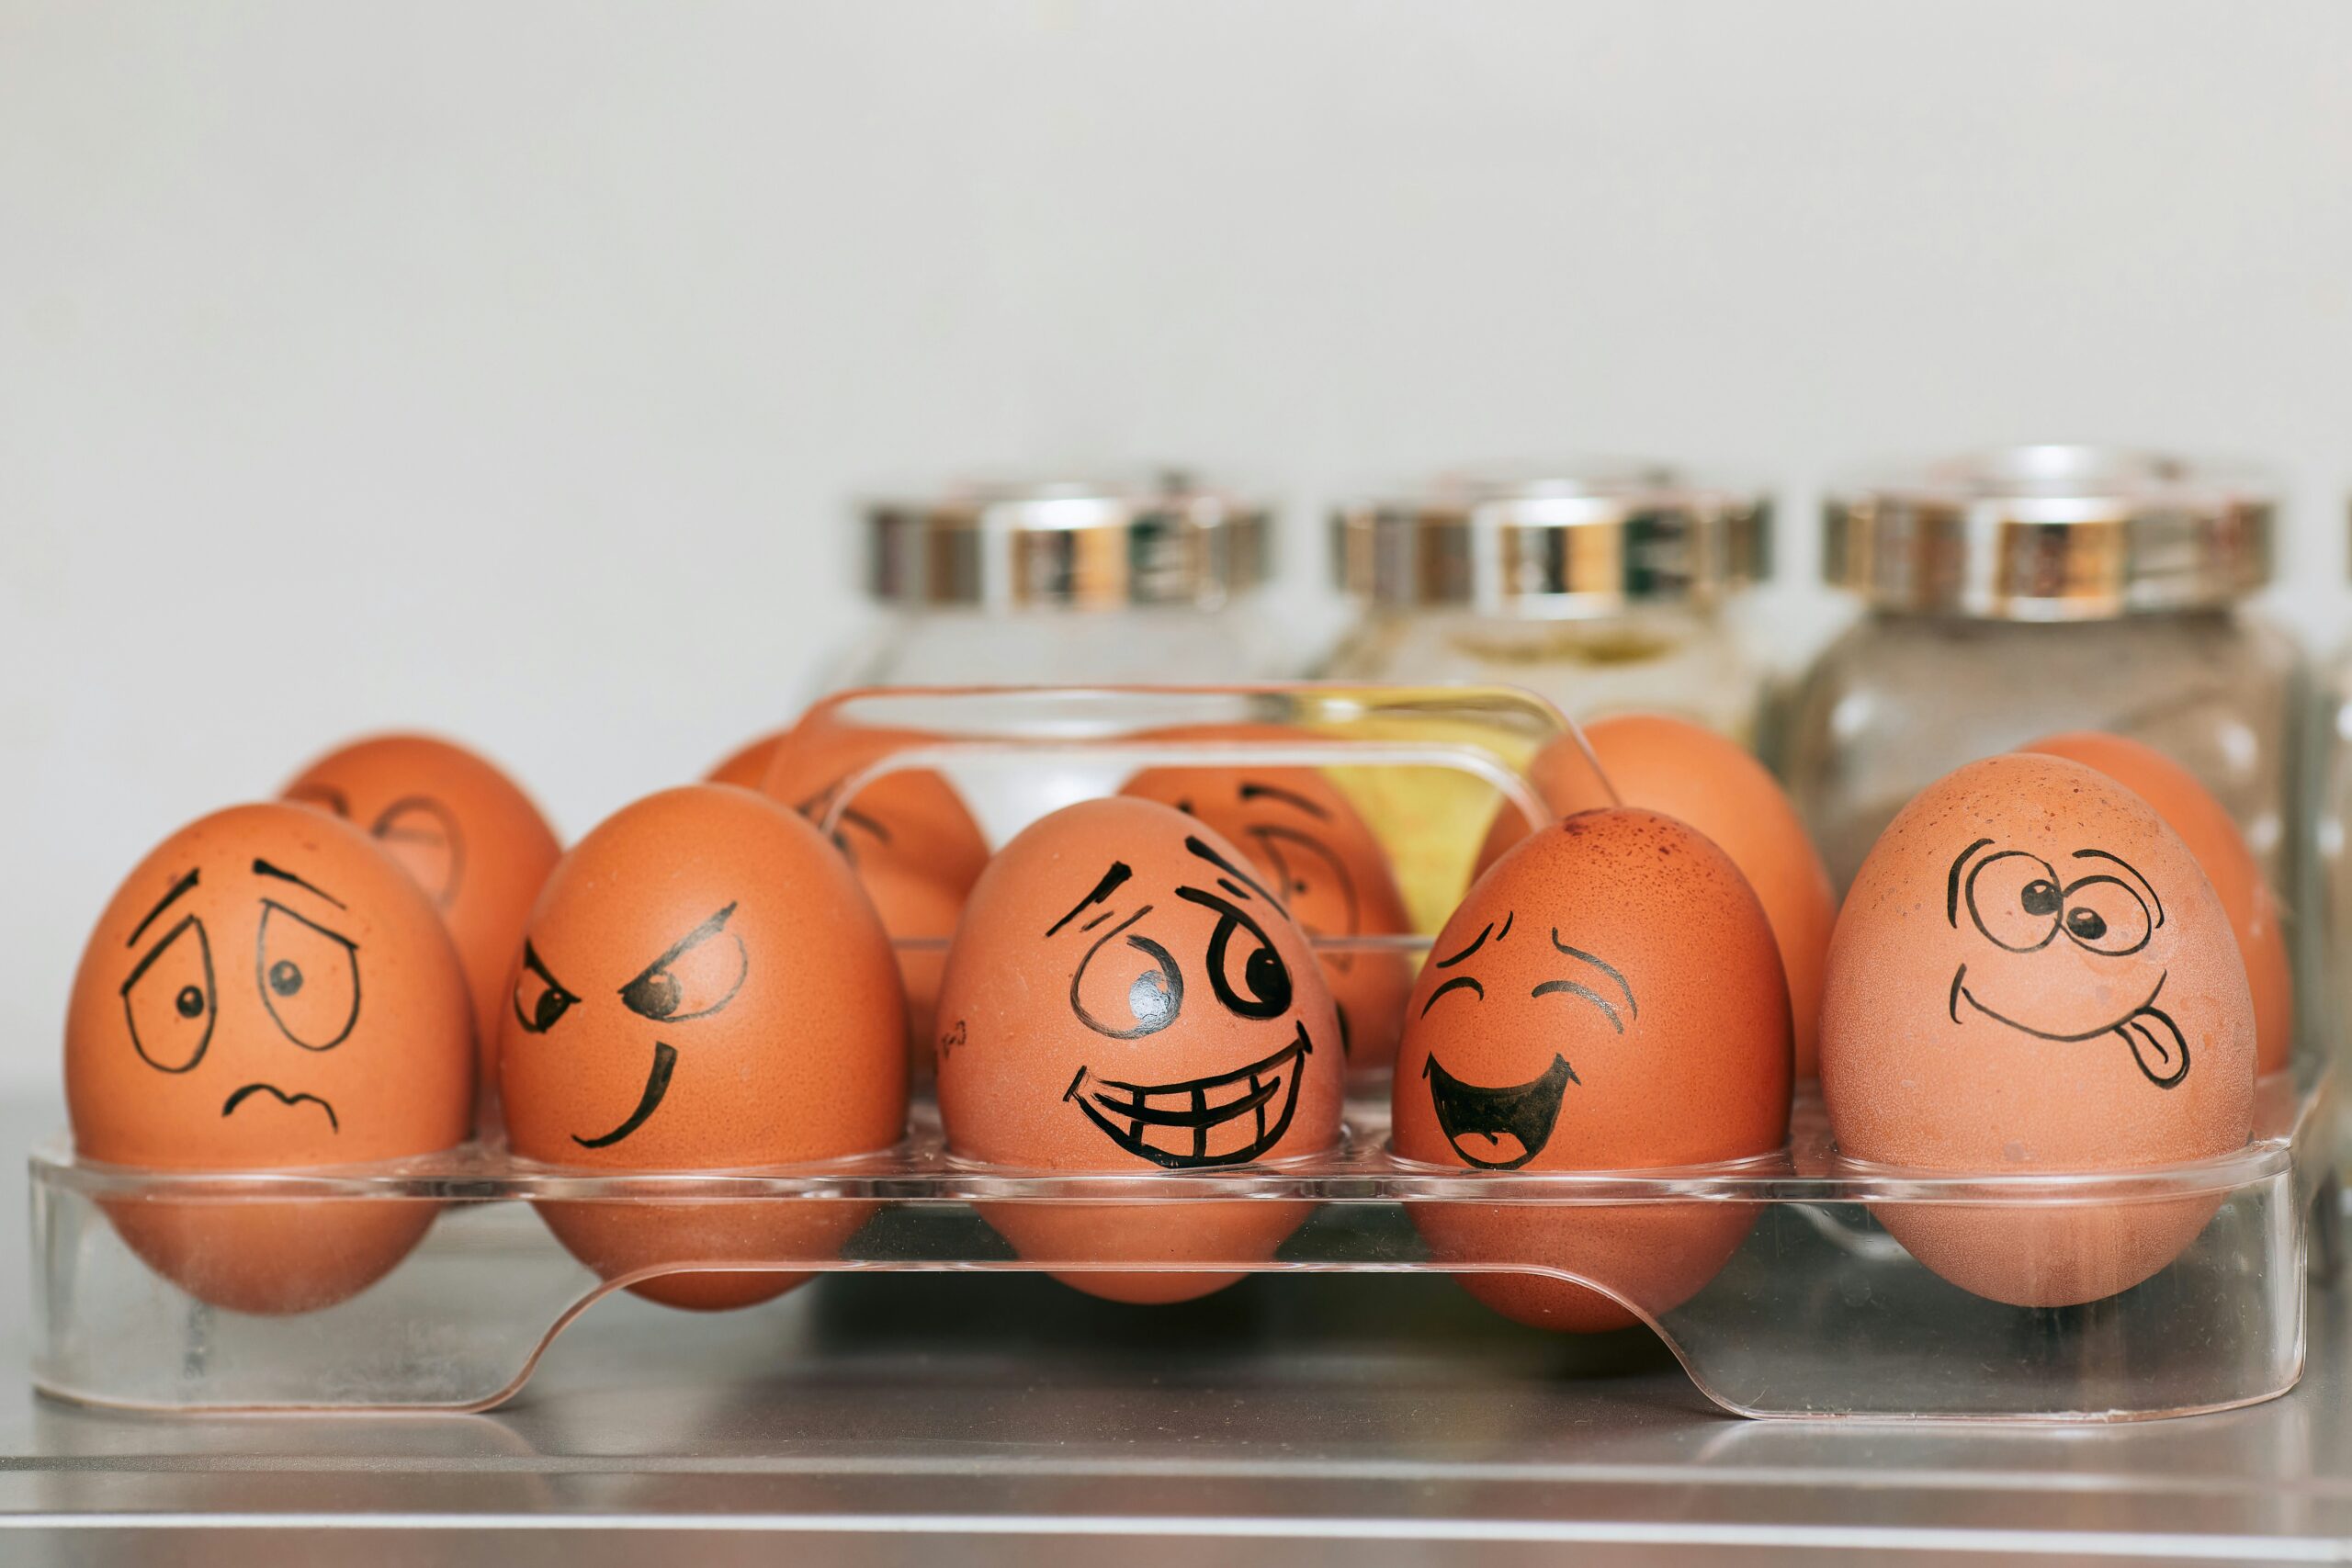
[{"x": 1125, "y": 994}]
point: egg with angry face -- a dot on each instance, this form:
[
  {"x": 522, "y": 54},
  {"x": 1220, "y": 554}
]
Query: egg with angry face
[
  {"x": 1609, "y": 997},
  {"x": 703, "y": 986},
  {"x": 1126, "y": 994},
  {"x": 268, "y": 989}
]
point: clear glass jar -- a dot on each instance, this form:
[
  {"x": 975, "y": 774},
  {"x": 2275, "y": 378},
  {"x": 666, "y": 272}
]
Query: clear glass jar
[
  {"x": 1157, "y": 578},
  {"x": 1602, "y": 587},
  {"x": 2015, "y": 593}
]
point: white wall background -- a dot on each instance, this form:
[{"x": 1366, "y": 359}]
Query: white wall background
[{"x": 501, "y": 367}]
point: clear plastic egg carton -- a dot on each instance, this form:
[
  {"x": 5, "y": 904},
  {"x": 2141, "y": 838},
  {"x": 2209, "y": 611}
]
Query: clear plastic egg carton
[{"x": 1818, "y": 1313}]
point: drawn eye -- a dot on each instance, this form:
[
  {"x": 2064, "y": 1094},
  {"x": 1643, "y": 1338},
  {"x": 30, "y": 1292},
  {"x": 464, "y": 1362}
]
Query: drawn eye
[
  {"x": 2105, "y": 915},
  {"x": 422, "y": 834},
  {"x": 1127, "y": 985},
  {"x": 309, "y": 977},
  {"x": 696, "y": 978},
  {"x": 2015, "y": 899},
  {"x": 539, "y": 999},
  {"x": 168, "y": 1001},
  {"x": 1247, "y": 975}
]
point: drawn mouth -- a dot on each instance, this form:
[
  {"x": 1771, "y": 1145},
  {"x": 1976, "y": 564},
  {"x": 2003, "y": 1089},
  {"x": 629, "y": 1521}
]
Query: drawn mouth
[
  {"x": 657, "y": 1084},
  {"x": 1183, "y": 1125},
  {"x": 1523, "y": 1113},
  {"x": 2158, "y": 1048},
  {"x": 229, "y": 1106}
]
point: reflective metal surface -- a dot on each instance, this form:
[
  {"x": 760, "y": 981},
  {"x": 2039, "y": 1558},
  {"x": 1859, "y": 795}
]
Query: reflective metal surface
[{"x": 1356, "y": 1420}]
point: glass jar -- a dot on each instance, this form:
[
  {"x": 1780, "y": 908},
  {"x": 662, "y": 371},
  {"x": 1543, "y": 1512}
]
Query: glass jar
[
  {"x": 1601, "y": 587},
  {"x": 2015, "y": 593},
  {"x": 1156, "y": 578}
]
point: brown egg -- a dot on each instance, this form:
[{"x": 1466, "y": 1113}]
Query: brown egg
[
  {"x": 913, "y": 842},
  {"x": 1674, "y": 766},
  {"x": 703, "y": 986},
  {"x": 268, "y": 989},
  {"x": 748, "y": 764},
  {"x": 1319, "y": 858},
  {"x": 1125, "y": 994},
  {"x": 2212, "y": 836},
  {"x": 2031, "y": 973},
  {"x": 1609, "y": 997},
  {"x": 465, "y": 831}
]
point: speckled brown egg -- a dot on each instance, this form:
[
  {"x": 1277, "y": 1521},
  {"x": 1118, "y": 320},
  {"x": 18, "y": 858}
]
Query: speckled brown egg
[
  {"x": 1317, "y": 855},
  {"x": 913, "y": 842},
  {"x": 2031, "y": 974},
  {"x": 1697, "y": 776},
  {"x": 747, "y": 765},
  {"x": 703, "y": 986},
  {"x": 465, "y": 831},
  {"x": 2205, "y": 825},
  {"x": 268, "y": 989},
  {"x": 1125, "y": 994},
  {"x": 1609, "y": 997}
]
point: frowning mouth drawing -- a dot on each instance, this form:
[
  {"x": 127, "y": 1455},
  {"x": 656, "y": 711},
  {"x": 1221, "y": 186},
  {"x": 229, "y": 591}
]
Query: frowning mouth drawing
[
  {"x": 2157, "y": 1045},
  {"x": 1498, "y": 1129},
  {"x": 1230, "y": 1119},
  {"x": 229, "y": 1106}
]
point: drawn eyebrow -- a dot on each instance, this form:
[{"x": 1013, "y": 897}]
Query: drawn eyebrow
[
  {"x": 1605, "y": 967},
  {"x": 703, "y": 932},
  {"x": 1233, "y": 887},
  {"x": 1226, "y": 866},
  {"x": 1509, "y": 918},
  {"x": 1120, "y": 871},
  {"x": 182, "y": 885},
  {"x": 1587, "y": 993},
  {"x": 263, "y": 868},
  {"x": 1459, "y": 983},
  {"x": 1952, "y": 883},
  {"x": 1477, "y": 943},
  {"x": 2119, "y": 860},
  {"x": 1251, "y": 790}
]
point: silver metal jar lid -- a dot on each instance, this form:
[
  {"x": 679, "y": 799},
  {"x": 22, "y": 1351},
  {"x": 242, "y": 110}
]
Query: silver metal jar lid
[
  {"x": 1551, "y": 544},
  {"x": 1163, "y": 539},
  {"x": 2052, "y": 534}
]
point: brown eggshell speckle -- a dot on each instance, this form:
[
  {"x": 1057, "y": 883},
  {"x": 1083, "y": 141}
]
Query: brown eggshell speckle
[
  {"x": 2031, "y": 974},
  {"x": 467, "y": 833},
  {"x": 1124, "y": 993},
  {"x": 915, "y": 845},
  {"x": 2190, "y": 810},
  {"x": 1698, "y": 777},
  {"x": 1318, "y": 856},
  {"x": 268, "y": 989},
  {"x": 1609, "y": 997},
  {"x": 703, "y": 986}
]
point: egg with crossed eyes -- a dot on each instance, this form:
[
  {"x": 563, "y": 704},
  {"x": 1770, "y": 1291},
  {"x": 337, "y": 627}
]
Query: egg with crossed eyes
[
  {"x": 703, "y": 986},
  {"x": 268, "y": 989},
  {"x": 1126, "y": 994},
  {"x": 2033, "y": 974},
  {"x": 1608, "y": 996}
]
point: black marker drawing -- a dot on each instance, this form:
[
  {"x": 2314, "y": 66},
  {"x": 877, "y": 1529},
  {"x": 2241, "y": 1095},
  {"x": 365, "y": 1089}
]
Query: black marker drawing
[
  {"x": 1525, "y": 1113},
  {"x": 814, "y": 809},
  {"x": 1190, "y": 1112},
  {"x": 263, "y": 868},
  {"x": 184, "y": 885},
  {"x": 229, "y": 1106},
  {"x": 657, "y": 1084},
  {"x": 1112, "y": 879},
  {"x": 697, "y": 976},
  {"x": 308, "y": 976},
  {"x": 1265, "y": 986},
  {"x": 539, "y": 997},
  {"x": 180, "y": 994},
  {"x": 1153, "y": 1000},
  {"x": 423, "y": 835},
  {"x": 2017, "y": 902},
  {"x": 324, "y": 794}
]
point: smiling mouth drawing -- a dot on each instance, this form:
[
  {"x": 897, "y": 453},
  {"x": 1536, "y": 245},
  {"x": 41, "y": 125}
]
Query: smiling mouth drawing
[
  {"x": 229, "y": 1106},
  {"x": 1186, "y": 1113},
  {"x": 2149, "y": 1031},
  {"x": 657, "y": 1084},
  {"x": 1523, "y": 1113}
]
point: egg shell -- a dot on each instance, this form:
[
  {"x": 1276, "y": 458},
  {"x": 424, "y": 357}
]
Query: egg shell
[
  {"x": 269, "y": 990},
  {"x": 2190, "y": 810},
  {"x": 747, "y": 765},
  {"x": 1118, "y": 956},
  {"x": 914, "y": 843},
  {"x": 1694, "y": 775},
  {"x": 1609, "y": 997},
  {"x": 2031, "y": 974},
  {"x": 469, "y": 836},
  {"x": 1318, "y": 855},
  {"x": 703, "y": 986}
]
